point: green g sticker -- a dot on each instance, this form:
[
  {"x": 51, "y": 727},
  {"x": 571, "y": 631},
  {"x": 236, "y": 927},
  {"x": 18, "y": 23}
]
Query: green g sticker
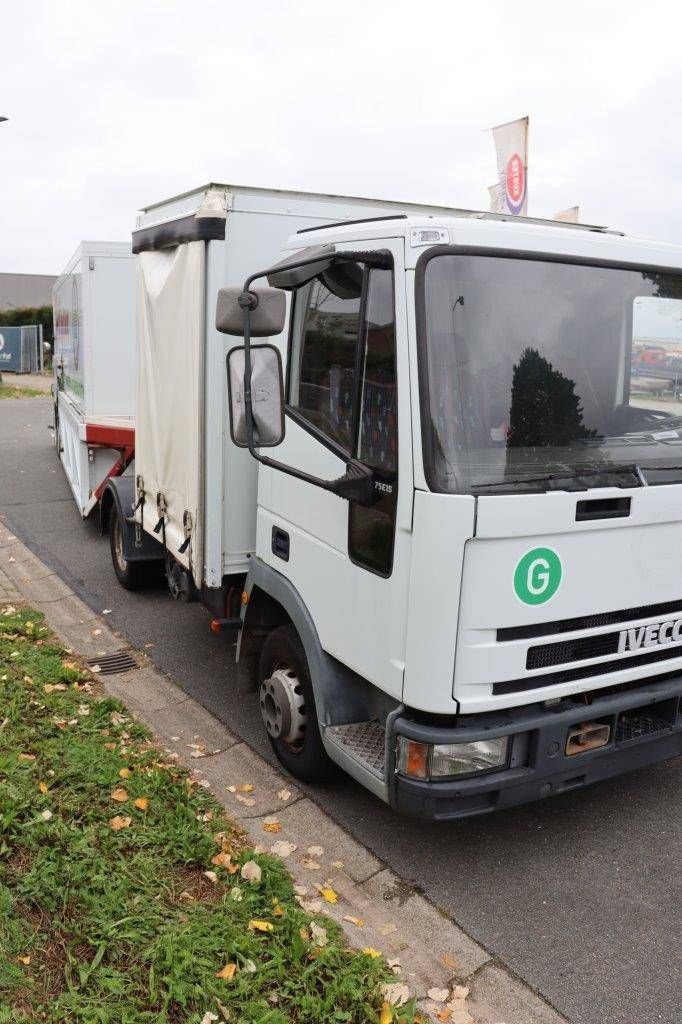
[{"x": 537, "y": 576}]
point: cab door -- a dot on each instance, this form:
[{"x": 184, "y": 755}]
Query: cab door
[{"x": 347, "y": 394}]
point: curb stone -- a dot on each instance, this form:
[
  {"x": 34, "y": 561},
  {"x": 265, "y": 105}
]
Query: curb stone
[{"x": 427, "y": 948}]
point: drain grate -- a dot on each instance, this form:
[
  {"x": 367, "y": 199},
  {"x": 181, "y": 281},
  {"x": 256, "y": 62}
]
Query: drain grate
[
  {"x": 364, "y": 741},
  {"x": 112, "y": 664}
]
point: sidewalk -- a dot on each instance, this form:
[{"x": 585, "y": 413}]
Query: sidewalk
[
  {"x": 31, "y": 381},
  {"x": 375, "y": 907}
]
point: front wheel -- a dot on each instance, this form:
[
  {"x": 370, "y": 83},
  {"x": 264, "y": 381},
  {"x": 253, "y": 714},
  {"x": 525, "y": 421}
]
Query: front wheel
[
  {"x": 287, "y": 707},
  {"x": 131, "y": 575}
]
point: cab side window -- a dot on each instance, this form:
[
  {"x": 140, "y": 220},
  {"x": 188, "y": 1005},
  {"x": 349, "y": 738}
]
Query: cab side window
[{"x": 342, "y": 384}]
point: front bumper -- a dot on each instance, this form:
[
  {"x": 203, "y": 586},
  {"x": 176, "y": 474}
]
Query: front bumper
[{"x": 538, "y": 766}]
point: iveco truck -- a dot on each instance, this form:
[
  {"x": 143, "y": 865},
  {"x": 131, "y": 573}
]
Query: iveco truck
[{"x": 423, "y": 463}]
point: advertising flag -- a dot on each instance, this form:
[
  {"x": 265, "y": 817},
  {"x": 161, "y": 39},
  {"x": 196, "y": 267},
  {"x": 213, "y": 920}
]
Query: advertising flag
[
  {"x": 511, "y": 144},
  {"x": 570, "y": 216}
]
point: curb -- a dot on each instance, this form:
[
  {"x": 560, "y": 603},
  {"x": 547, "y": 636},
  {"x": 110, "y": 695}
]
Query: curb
[{"x": 426, "y": 948}]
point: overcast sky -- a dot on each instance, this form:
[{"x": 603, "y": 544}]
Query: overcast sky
[{"x": 116, "y": 105}]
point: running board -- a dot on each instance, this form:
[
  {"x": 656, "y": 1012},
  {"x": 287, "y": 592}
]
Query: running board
[{"x": 363, "y": 742}]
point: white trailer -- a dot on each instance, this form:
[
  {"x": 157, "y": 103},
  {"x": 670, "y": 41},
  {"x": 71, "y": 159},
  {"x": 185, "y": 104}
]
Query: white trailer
[
  {"x": 94, "y": 367},
  {"x": 425, "y": 482}
]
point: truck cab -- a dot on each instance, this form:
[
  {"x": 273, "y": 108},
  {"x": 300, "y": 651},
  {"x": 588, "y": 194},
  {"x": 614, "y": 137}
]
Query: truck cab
[{"x": 497, "y": 616}]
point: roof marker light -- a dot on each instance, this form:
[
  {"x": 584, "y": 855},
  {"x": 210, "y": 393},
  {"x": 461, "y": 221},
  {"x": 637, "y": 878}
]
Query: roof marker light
[{"x": 428, "y": 236}]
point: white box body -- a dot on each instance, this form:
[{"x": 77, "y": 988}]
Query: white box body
[{"x": 94, "y": 364}]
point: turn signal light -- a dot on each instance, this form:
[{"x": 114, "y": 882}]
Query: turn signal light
[
  {"x": 413, "y": 758},
  {"x": 215, "y": 626}
]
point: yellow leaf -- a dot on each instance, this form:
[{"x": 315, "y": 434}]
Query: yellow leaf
[
  {"x": 272, "y": 826},
  {"x": 357, "y": 921},
  {"x": 278, "y": 911},
  {"x": 246, "y": 787},
  {"x": 445, "y": 1014},
  {"x": 42, "y": 786},
  {"x": 386, "y": 1015},
  {"x": 328, "y": 895},
  {"x": 119, "y": 822},
  {"x": 227, "y": 972},
  {"x": 260, "y": 926},
  {"x": 142, "y": 803},
  {"x": 305, "y": 934},
  {"x": 120, "y": 795},
  {"x": 27, "y": 757},
  {"x": 24, "y": 960},
  {"x": 222, "y": 860},
  {"x": 370, "y": 951},
  {"x": 124, "y": 772}
]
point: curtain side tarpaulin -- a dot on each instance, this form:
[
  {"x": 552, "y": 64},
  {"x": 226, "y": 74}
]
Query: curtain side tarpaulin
[{"x": 170, "y": 330}]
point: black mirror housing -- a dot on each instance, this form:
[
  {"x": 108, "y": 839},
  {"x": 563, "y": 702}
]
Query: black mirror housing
[{"x": 267, "y": 315}]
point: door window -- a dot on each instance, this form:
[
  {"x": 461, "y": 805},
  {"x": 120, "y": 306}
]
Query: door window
[{"x": 342, "y": 384}]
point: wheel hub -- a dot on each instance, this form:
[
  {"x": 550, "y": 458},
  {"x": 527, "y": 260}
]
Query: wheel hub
[{"x": 282, "y": 706}]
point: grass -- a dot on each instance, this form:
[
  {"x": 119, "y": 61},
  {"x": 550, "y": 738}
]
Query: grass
[
  {"x": 11, "y": 391},
  {"x": 99, "y": 926}
]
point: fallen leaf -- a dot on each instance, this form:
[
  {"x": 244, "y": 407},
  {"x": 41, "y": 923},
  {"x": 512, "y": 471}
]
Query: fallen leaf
[
  {"x": 386, "y": 1015},
  {"x": 248, "y": 801},
  {"x": 251, "y": 872},
  {"x": 142, "y": 803},
  {"x": 27, "y": 757},
  {"x": 211, "y": 875},
  {"x": 271, "y": 825},
  {"x": 222, "y": 860},
  {"x": 46, "y": 815},
  {"x": 319, "y": 934},
  {"x": 328, "y": 895},
  {"x": 120, "y": 795},
  {"x": 42, "y": 786},
  {"x": 301, "y": 890},
  {"x": 119, "y": 822},
  {"x": 95, "y": 668},
  {"x": 460, "y": 992},
  {"x": 445, "y": 1013},
  {"x": 246, "y": 787},
  {"x": 110, "y": 746},
  {"x": 206, "y": 816},
  {"x": 124, "y": 773},
  {"x": 24, "y": 960},
  {"x": 236, "y": 894},
  {"x": 305, "y": 934},
  {"x": 338, "y": 864},
  {"x": 394, "y": 964},
  {"x": 371, "y": 952},
  {"x": 449, "y": 961},
  {"x": 308, "y": 862},
  {"x": 209, "y": 1017},
  {"x": 96, "y": 632},
  {"x": 282, "y": 848},
  {"x": 311, "y": 906},
  {"x": 284, "y": 794},
  {"x": 315, "y": 851},
  {"x": 357, "y": 921},
  {"x": 260, "y": 926},
  {"x": 249, "y": 967},
  {"x": 227, "y": 972},
  {"x": 396, "y": 993},
  {"x": 198, "y": 753},
  {"x": 278, "y": 911},
  {"x": 438, "y": 995}
]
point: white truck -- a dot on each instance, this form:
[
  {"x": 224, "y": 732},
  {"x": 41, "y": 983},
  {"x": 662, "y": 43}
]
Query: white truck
[
  {"x": 94, "y": 367},
  {"x": 424, "y": 464}
]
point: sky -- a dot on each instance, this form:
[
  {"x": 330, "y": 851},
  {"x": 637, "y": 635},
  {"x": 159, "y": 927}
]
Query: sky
[{"x": 113, "y": 106}]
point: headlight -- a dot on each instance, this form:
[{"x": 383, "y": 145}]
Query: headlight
[{"x": 424, "y": 760}]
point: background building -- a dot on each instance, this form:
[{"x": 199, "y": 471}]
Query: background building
[{"x": 22, "y": 291}]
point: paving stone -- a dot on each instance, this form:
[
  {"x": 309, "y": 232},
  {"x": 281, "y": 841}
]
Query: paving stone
[
  {"x": 495, "y": 996},
  {"x": 186, "y": 722},
  {"x": 66, "y": 611},
  {"x": 80, "y": 637},
  {"x": 305, "y": 824},
  {"x": 148, "y": 688},
  {"x": 435, "y": 930},
  {"x": 240, "y": 765}
]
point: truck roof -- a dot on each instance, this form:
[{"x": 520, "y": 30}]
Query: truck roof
[{"x": 496, "y": 231}]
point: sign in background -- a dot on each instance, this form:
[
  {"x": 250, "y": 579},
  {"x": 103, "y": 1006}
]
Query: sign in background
[
  {"x": 10, "y": 349},
  {"x": 511, "y": 145}
]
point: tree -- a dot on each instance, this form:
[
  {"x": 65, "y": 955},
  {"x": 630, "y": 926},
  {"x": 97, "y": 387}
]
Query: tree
[{"x": 545, "y": 410}]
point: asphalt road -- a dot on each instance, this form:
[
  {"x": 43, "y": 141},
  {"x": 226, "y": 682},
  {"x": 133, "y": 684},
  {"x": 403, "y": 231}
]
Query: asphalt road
[{"x": 579, "y": 895}]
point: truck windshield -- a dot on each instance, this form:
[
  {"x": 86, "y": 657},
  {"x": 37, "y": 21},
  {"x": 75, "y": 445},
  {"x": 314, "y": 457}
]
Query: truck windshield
[{"x": 539, "y": 375}]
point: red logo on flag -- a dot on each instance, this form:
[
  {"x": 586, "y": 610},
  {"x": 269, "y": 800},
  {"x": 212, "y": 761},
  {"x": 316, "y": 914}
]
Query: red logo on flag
[{"x": 516, "y": 181}]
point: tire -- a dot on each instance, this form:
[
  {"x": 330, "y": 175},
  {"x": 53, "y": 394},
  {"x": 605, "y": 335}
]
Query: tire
[
  {"x": 306, "y": 758},
  {"x": 131, "y": 575}
]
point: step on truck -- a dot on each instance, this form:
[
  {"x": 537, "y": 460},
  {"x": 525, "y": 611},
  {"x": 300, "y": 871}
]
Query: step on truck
[
  {"x": 422, "y": 463},
  {"x": 93, "y": 389}
]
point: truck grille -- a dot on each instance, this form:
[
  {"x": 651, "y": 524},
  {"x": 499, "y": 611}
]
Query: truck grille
[
  {"x": 570, "y": 675},
  {"x": 536, "y": 629}
]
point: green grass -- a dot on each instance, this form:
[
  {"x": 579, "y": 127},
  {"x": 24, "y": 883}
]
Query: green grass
[
  {"x": 122, "y": 927},
  {"x": 11, "y": 391}
]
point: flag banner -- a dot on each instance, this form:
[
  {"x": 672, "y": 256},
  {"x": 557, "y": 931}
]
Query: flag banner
[
  {"x": 511, "y": 144},
  {"x": 570, "y": 216},
  {"x": 496, "y": 198}
]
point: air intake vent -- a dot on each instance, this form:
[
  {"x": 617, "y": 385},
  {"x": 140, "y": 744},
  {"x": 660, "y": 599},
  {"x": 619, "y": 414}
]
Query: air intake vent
[
  {"x": 589, "y": 621},
  {"x": 112, "y": 664}
]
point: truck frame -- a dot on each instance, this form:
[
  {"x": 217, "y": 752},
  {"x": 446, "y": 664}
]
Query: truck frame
[{"x": 422, "y": 483}]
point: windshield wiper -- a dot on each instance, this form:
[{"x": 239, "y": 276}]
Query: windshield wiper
[{"x": 574, "y": 474}]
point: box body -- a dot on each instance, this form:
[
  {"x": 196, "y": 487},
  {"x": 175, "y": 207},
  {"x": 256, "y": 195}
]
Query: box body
[{"x": 94, "y": 365}]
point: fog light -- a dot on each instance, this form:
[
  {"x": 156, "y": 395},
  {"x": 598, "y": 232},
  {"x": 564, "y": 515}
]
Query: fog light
[{"x": 465, "y": 758}]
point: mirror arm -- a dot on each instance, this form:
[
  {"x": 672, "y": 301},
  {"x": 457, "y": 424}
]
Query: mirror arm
[{"x": 357, "y": 483}]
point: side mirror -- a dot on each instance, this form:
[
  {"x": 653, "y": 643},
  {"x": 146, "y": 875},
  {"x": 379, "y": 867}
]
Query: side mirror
[
  {"x": 267, "y": 395},
  {"x": 267, "y": 318}
]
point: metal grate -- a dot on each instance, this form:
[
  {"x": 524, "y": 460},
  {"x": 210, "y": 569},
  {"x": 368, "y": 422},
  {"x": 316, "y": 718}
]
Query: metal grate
[
  {"x": 572, "y": 650},
  {"x": 112, "y": 664},
  {"x": 632, "y": 725},
  {"x": 364, "y": 741},
  {"x": 666, "y": 608}
]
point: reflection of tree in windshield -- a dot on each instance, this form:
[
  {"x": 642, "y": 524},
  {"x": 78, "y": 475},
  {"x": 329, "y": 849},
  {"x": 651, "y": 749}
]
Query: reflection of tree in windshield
[{"x": 545, "y": 410}]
